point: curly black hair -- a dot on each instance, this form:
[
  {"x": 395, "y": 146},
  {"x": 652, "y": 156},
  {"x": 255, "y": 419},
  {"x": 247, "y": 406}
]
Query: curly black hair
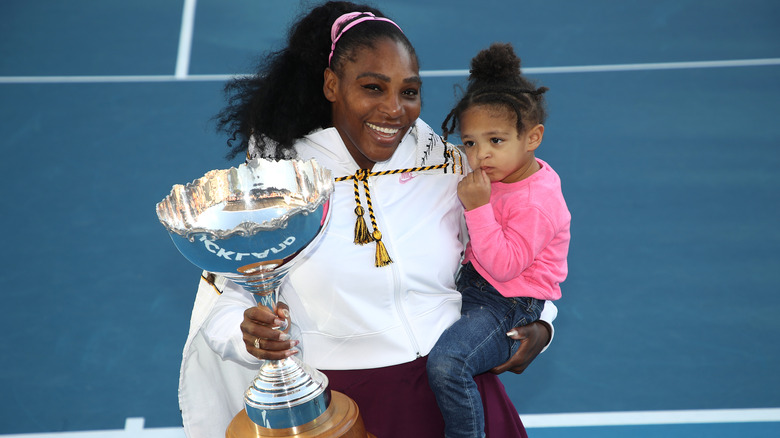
[
  {"x": 284, "y": 100},
  {"x": 495, "y": 80}
]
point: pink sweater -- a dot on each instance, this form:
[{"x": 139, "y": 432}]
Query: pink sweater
[{"x": 519, "y": 242}]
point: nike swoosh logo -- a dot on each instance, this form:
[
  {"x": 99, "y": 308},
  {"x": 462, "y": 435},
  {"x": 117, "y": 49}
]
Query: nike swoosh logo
[{"x": 406, "y": 177}]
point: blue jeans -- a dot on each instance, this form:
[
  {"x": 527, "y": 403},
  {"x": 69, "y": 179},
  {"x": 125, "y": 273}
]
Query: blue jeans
[{"x": 473, "y": 345}]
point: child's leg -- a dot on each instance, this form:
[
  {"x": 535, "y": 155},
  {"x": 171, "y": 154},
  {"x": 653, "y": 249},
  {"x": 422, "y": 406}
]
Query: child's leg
[
  {"x": 462, "y": 352},
  {"x": 474, "y": 344}
]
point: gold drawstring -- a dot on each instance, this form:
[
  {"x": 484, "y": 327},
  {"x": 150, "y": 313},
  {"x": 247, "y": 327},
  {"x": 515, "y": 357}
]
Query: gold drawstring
[
  {"x": 361, "y": 230},
  {"x": 362, "y": 236}
]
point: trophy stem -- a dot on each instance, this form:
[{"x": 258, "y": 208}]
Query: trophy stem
[{"x": 268, "y": 300}]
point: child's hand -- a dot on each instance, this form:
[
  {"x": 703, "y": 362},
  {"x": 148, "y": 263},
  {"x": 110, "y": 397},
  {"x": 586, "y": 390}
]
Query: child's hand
[{"x": 474, "y": 189}]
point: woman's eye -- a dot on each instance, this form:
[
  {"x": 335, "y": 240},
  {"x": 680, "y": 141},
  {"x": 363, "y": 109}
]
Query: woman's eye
[
  {"x": 411, "y": 92},
  {"x": 372, "y": 87}
]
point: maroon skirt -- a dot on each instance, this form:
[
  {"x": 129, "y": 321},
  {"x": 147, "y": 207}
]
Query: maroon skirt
[{"x": 396, "y": 402}]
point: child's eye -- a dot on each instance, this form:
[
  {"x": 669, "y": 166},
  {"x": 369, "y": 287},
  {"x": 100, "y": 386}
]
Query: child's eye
[
  {"x": 496, "y": 140},
  {"x": 468, "y": 143}
]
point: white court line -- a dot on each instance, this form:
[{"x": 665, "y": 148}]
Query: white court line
[
  {"x": 85, "y": 79},
  {"x": 628, "y": 67},
  {"x": 185, "y": 39},
  {"x": 425, "y": 73},
  {"x": 640, "y": 418},
  {"x": 134, "y": 426}
]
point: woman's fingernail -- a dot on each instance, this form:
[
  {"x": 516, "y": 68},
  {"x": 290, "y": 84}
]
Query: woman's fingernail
[
  {"x": 278, "y": 322},
  {"x": 284, "y": 337},
  {"x": 291, "y": 352},
  {"x": 286, "y": 313},
  {"x": 511, "y": 333}
]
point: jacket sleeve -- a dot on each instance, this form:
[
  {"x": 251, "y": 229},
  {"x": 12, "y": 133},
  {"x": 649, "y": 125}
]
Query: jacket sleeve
[
  {"x": 506, "y": 251},
  {"x": 548, "y": 315},
  {"x": 221, "y": 329}
]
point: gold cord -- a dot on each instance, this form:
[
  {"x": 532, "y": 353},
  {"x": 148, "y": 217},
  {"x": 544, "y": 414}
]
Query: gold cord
[{"x": 362, "y": 236}]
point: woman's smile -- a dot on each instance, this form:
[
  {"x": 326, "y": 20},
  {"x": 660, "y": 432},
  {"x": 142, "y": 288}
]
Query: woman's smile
[{"x": 383, "y": 132}]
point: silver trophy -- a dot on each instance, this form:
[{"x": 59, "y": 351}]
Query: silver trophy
[{"x": 251, "y": 224}]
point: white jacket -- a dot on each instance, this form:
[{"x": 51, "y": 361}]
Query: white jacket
[{"x": 350, "y": 313}]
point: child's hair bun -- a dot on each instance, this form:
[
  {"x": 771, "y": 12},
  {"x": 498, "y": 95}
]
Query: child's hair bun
[{"x": 498, "y": 63}]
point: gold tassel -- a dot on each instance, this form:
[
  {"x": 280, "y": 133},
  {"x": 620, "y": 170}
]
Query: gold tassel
[
  {"x": 361, "y": 230},
  {"x": 382, "y": 257}
]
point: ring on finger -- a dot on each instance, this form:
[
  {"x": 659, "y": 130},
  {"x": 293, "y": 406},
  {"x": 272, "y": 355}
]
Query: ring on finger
[{"x": 257, "y": 343}]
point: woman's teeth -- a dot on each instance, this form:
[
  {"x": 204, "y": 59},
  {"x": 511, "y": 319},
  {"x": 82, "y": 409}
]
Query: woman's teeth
[{"x": 386, "y": 131}]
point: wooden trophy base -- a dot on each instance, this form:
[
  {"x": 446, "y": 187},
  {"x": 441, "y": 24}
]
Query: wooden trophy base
[{"x": 341, "y": 420}]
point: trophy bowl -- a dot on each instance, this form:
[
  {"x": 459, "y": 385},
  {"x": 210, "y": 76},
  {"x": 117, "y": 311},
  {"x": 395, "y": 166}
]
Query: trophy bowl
[{"x": 251, "y": 224}]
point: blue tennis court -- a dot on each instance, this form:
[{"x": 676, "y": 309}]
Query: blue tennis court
[{"x": 662, "y": 126}]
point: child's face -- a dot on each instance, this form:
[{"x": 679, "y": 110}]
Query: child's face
[{"x": 493, "y": 144}]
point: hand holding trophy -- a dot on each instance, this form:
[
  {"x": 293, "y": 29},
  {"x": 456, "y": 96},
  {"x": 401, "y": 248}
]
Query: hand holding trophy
[{"x": 251, "y": 224}]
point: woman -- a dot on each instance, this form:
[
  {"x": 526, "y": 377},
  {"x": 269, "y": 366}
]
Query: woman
[{"x": 346, "y": 91}]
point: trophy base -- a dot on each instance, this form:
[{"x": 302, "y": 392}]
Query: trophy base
[{"x": 341, "y": 420}]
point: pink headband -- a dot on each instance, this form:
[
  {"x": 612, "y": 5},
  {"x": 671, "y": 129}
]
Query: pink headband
[{"x": 334, "y": 30}]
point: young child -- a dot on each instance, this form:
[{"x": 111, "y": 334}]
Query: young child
[{"x": 518, "y": 226}]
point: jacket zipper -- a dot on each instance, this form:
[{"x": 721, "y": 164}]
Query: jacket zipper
[{"x": 399, "y": 307}]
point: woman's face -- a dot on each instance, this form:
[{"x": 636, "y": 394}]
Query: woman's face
[{"x": 376, "y": 100}]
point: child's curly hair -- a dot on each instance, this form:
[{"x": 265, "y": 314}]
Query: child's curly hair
[{"x": 495, "y": 80}]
